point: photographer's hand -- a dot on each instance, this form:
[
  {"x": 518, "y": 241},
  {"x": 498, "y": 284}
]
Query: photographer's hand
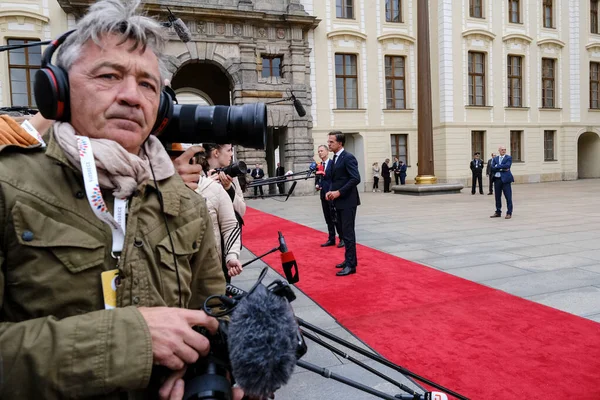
[
  {"x": 226, "y": 181},
  {"x": 234, "y": 267},
  {"x": 174, "y": 388},
  {"x": 174, "y": 342},
  {"x": 190, "y": 173}
]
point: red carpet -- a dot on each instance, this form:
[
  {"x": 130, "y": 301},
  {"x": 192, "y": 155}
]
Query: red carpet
[{"x": 482, "y": 343}]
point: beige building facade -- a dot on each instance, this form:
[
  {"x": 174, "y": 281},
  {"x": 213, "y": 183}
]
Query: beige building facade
[{"x": 519, "y": 73}]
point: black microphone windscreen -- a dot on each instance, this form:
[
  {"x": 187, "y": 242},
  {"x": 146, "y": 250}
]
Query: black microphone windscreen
[
  {"x": 299, "y": 108},
  {"x": 262, "y": 342},
  {"x": 182, "y": 30}
]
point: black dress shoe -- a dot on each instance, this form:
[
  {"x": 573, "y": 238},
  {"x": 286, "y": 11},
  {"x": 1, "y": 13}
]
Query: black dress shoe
[
  {"x": 341, "y": 265},
  {"x": 341, "y": 244},
  {"x": 328, "y": 243},
  {"x": 346, "y": 271}
]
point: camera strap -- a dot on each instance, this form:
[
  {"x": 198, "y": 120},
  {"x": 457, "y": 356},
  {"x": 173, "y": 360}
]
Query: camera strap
[{"x": 92, "y": 189}]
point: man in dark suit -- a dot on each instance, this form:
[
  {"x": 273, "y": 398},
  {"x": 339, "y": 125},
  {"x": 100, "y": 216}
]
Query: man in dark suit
[
  {"x": 257, "y": 174},
  {"x": 385, "y": 174},
  {"x": 323, "y": 184},
  {"x": 396, "y": 169},
  {"x": 477, "y": 172},
  {"x": 280, "y": 171},
  {"x": 488, "y": 173},
  {"x": 502, "y": 179},
  {"x": 402, "y": 170},
  {"x": 344, "y": 179}
]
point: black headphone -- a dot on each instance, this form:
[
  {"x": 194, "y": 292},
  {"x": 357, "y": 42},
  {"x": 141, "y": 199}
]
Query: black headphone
[{"x": 51, "y": 91}]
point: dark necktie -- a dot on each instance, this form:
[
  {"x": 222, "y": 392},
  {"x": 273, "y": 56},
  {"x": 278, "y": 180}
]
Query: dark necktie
[{"x": 334, "y": 158}]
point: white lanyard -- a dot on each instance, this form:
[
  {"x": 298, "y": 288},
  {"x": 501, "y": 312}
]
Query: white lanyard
[{"x": 92, "y": 189}]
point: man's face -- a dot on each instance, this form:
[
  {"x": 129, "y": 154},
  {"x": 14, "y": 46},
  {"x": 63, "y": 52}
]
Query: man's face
[
  {"x": 115, "y": 93},
  {"x": 323, "y": 153},
  {"x": 256, "y": 166},
  {"x": 502, "y": 150},
  {"x": 333, "y": 144},
  {"x": 477, "y": 156},
  {"x": 493, "y": 155}
]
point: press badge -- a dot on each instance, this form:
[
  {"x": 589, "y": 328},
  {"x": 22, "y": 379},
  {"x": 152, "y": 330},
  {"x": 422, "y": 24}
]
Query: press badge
[{"x": 109, "y": 288}]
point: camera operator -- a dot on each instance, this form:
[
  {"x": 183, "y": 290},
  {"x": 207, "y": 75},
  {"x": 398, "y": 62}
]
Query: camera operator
[{"x": 61, "y": 334}]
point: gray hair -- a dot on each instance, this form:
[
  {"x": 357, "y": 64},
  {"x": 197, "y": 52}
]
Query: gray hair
[
  {"x": 119, "y": 18},
  {"x": 323, "y": 146}
]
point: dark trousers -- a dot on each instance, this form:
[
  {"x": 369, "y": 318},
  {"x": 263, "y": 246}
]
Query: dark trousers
[
  {"x": 346, "y": 219},
  {"x": 403, "y": 178},
  {"x": 396, "y": 177},
  {"x": 477, "y": 178},
  {"x": 491, "y": 184},
  {"x": 386, "y": 184},
  {"x": 330, "y": 219},
  {"x": 281, "y": 187},
  {"x": 375, "y": 182},
  {"x": 256, "y": 188},
  {"x": 507, "y": 190}
]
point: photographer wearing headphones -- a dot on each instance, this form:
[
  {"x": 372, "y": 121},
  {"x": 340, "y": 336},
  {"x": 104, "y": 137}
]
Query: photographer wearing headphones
[{"x": 102, "y": 246}]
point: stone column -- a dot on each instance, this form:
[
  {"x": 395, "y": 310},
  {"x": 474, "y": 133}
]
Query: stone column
[{"x": 425, "y": 139}]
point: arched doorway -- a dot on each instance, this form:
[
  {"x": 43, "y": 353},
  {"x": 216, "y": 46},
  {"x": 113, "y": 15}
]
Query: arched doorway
[
  {"x": 588, "y": 156},
  {"x": 205, "y": 80}
]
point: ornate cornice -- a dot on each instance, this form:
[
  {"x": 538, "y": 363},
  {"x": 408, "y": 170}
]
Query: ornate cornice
[
  {"x": 593, "y": 46},
  {"x": 396, "y": 36},
  {"x": 551, "y": 41},
  {"x": 517, "y": 36},
  {"x": 25, "y": 14},
  {"x": 346, "y": 32},
  {"x": 479, "y": 32}
]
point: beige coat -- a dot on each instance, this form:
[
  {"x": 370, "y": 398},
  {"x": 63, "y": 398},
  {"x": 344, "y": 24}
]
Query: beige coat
[
  {"x": 239, "y": 205},
  {"x": 220, "y": 209}
]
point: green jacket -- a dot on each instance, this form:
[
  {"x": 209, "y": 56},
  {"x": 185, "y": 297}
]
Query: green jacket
[{"x": 56, "y": 339}]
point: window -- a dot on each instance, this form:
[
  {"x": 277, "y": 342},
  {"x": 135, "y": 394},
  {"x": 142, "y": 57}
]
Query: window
[
  {"x": 271, "y": 66},
  {"x": 515, "y": 81},
  {"x": 477, "y": 142},
  {"x": 344, "y": 9},
  {"x": 549, "y": 143},
  {"x": 399, "y": 147},
  {"x": 548, "y": 83},
  {"x": 346, "y": 81},
  {"x": 514, "y": 11},
  {"x": 595, "y": 85},
  {"x": 594, "y": 16},
  {"x": 393, "y": 10},
  {"x": 476, "y": 8},
  {"x": 476, "y": 79},
  {"x": 516, "y": 141},
  {"x": 395, "y": 83},
  {"x": 22, "y": 66},
  {"x": 548, "y": 17}
]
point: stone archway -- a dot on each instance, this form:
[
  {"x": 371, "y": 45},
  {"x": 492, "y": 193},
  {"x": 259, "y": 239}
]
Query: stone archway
[
  {"x": 205, "y": 77},
  {"x": 588, "y": 156}
]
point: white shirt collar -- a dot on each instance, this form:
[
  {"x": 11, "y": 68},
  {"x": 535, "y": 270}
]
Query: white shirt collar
[{"x": 339, "y": 152}]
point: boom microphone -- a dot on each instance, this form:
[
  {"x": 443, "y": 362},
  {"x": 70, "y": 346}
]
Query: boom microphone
[
  {"x": 263, "y": 340},
  {"x": 288, "y": 261},
  {"x": 299, "y": 108},
  {"x": 180, "y": 28}
]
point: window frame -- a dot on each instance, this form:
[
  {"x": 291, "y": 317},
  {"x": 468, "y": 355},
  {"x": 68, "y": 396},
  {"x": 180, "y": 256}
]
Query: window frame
[
  {"x": 516, "y": 153},
  {"x": 597, "y": 85},
  {"x": 345, "y": 78},
  {"x": 518, "y": 13},
  {"x": 343, "y": 6},
  {"x": 553, "y": 145},
  {"x": 27, "y": 67},
  {"x": 511, "y": 79},
  {"x": 396, "y": 146},
  {"x": 394, "y": 78},
  {"x": 474, "y": 147},
  {"x": 271, "y": 58},
  {"x": 472, "y": 78},
  {"x": 473, "y": 7},
  {"x": 549, "y": 79},
  {"x": 391, "y": 11},
  {"x": 545, "y": 5},
  {"x": 594, "y": 16}
]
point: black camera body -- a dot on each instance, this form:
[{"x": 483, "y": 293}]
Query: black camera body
[{"x": 233, "y": 170}]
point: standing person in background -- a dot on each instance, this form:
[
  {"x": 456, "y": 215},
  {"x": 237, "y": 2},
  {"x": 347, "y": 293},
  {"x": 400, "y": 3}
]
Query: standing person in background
[
  {"x": 376, "y": 171},
  {"x": 280, "y": 171},
  {"x": 402, "y": 168},
  {"x": 488, "y": 173},
  {"x": 476, "y": 166},
  {"x": 396, "y": 169},
  {"x": 502, "y": 182},
  {"x": 385, "y": 174},
  {"x": 322, "y": 184},
  {"x": 344, "y": 179},
  {"x": 257, "y": 174}
]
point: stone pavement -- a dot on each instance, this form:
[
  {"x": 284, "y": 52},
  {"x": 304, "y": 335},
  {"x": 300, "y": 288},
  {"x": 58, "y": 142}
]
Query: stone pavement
[{"x": 549, "y": 252}]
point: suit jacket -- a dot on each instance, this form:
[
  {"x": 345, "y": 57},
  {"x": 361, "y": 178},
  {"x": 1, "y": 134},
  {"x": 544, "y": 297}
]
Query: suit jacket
[
  {"x": 504, "y": 168},
  {"x": 279, "y": 171},
  {"x": 385, "y": 169},
  {"x": 478, "y": 169},
  {"x": 345, "y": 177},
  {"x": 403, "y": 170},
  {"x": 324, "y": 181},
  {"x": 257, "y": 175},
  {"x": 488, "y": 169}
]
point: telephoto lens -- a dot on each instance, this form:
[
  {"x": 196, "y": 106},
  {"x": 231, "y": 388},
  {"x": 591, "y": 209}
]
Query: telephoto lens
[
  {"x": 244, "y": 125},
  {"x": 233, "y": 170}
]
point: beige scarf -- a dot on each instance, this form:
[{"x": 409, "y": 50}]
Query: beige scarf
[{"x": 117, "y": 168}]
